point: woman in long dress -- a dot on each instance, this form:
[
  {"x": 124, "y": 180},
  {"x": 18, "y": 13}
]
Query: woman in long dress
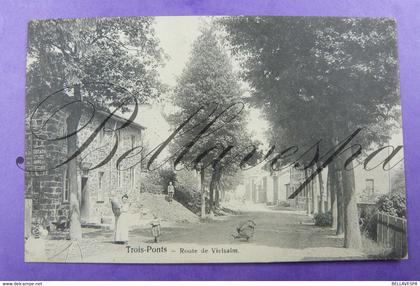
[{"x": 122, "y": 224}]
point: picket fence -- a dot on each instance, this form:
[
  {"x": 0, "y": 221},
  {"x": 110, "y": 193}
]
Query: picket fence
[{"x": 392, "y": 233}]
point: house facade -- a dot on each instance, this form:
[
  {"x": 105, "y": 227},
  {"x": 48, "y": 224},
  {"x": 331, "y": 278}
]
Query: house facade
[{"x": 47, "y": 187}]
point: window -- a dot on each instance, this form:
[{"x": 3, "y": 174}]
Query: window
[
  {"x": 122, "y": 140},
  {"x": 133, "y": 141},
  {"x": 62, "y": 131},
  {"x": 100, "y": 186},
  {"x": 100, "y": 180},
  {"x": 117, "y": 136},
  {"x": 119, "y": 178},
  {"x": 102, "y": 135},
  {"x": 66, "y": 187},
  {"x": 143, "y": 164},
  {"x": 370, "y": 186},
  {"x": 132, "y": 178}
]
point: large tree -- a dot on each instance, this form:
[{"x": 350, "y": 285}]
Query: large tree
[
  {"x": 92, "y": 60},
  {"x": 209, "y": 81},
  {"x": 321, "y": 79}
]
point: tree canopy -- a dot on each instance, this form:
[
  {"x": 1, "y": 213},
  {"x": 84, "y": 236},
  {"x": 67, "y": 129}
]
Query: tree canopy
[
  {"x": 320, "y": 78},
  {"x": 106, "y": 62},
  {"x": 209, "y": 81},
  {"x": 89, "y": 52}
]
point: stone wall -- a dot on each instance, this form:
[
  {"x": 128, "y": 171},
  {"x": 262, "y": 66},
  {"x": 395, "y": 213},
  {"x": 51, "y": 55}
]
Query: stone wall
[
  {"x": 114, "y": 183},
  {"x": 43, "y": 182},
  {"x": 45, "y": 185}
]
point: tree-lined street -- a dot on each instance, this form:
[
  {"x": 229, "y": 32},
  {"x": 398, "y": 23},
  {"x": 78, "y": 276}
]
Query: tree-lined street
[
  {"x": 288, "y": 233},
  {"x": 273, "y": 117}
]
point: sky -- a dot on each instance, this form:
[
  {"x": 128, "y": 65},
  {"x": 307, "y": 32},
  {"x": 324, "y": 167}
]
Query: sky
[{"x": 176, "y": 36}]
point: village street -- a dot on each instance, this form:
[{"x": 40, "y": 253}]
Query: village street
[
  {"x": 203, "y": 135},
  {"x": 283, "y": 235}
]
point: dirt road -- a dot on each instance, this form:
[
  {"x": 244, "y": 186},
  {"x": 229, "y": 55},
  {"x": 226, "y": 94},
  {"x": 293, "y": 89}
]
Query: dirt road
[{"x": 280, "y": 235}]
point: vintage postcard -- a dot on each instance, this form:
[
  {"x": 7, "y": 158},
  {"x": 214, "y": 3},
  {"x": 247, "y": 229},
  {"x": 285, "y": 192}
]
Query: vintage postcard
[{"x": 213, "y": 140}]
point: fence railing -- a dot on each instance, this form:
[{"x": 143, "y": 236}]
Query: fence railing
[{"x": 392, "y": 233}]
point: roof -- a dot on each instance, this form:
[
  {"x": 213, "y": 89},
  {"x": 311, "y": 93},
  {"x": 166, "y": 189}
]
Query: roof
[
  {"x": 115, "y": 117},
  {"x": 121, "y": 119}
]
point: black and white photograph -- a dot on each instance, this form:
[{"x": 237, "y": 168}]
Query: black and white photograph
[{"x": 213, "y": 139}]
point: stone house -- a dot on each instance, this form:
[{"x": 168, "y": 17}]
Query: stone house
[{"x": 47, "y": 188}]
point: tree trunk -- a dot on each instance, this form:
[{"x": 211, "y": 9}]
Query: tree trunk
[
  {"x": 214, "y": 188},
  {"x": 321, "y": 190},
  {"x": 211, "y": 190},
  {"x": 327, "y": 194},
  {"x": 337, "y": 191},
  {"x": 217, "y": 187},
  {"x": 72, "y": 125},
  {"x": 211, "y": 197},
  {"x": 340, "y": 202},
  {"x": 307, "y": 193},
  {"x": 313, "y": 198},
  {"x": 352, "y": 236},
  {"x": 203, "y": 192},
  {"x": 332, "y": 178},
  {"x": 217, "y": 196}
]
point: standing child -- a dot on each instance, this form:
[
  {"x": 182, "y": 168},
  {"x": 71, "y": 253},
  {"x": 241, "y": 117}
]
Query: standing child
[
  {"x": 155, "y": 227},
  {"x": 171, "y": 191}
]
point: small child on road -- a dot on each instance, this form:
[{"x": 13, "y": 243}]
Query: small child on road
[{"x": 155, "y": 227}]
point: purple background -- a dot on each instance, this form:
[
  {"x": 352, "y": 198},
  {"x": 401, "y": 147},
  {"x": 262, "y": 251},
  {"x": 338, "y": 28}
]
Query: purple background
[{"x": 14, "y": 16}]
